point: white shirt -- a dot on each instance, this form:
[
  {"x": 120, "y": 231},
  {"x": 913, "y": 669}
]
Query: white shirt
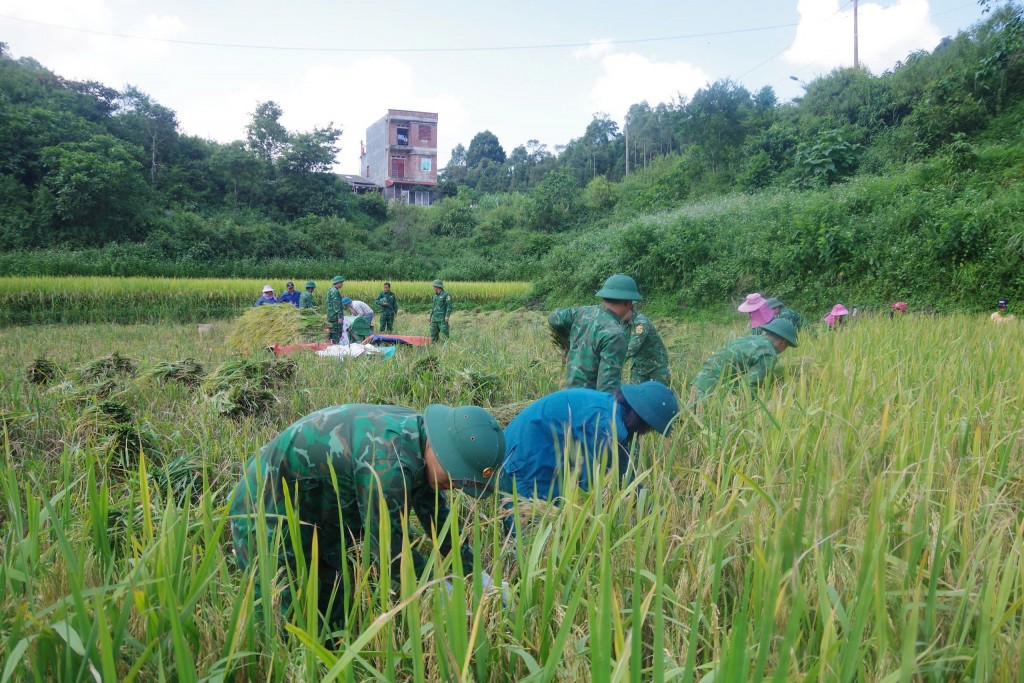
[{"x": 360, "y": 308}]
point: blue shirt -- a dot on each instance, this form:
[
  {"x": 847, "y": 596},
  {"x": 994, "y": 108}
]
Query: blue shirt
[
  {"x": 264, "y": 300},
  {"x": 535, "y": 441},
  {"x": 292, "y": 298}
]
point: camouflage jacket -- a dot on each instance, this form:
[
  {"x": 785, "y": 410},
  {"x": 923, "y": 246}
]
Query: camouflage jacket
[
  {"x": 387, "y": 302},
  {"x": 306, "y": 300},
  {"x": 339, "y": 465},
  {"x": 597, "y": 346},
  {"x": 335, "y": 309},
  {"x": 787, "y": 313},
  {"x": 746, "y": 360},
  {"x": 442, "y": 306},
  {"x": 647, "y": 352}
]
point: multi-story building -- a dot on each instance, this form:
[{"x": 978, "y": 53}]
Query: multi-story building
[{"x": 401, "y": 155}]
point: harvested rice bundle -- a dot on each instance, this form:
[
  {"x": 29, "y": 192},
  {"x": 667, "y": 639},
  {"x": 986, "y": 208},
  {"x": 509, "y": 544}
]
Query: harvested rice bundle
[
  {"x": 110, "y": 427},
  {"x": 243, "y": 386},
  {"x": 106, "y": 368},
  {"x": 187, "y": 371},
  {"x": 42, "y": 371},
  {"x": 264, "y": 326},
  {"x": 560, "y": 339}
]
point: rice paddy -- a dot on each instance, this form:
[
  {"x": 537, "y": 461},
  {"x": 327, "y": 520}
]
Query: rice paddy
[
  {"x": 35, "y": 300},
  {"x": 859, "y": 520}
]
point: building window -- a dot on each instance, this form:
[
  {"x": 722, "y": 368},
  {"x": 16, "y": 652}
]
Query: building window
[
  {"x": 397, "y": 167},
  {"x": 367, "y": 170},
  {"x": 403, "y": 136},
  {"x": 425, "y": 132},
  {"x": 425, "y": 164}
]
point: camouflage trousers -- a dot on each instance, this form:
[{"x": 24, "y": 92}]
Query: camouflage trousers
[
  {"x": 337, "y": 329},
  {"x": 331, "y": 587},
  {"x": 438, "y": 328},
  {"x": 387, "y": 321}
]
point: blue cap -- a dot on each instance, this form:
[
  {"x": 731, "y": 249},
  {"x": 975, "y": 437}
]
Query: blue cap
[{"x": 346, "y": 301}]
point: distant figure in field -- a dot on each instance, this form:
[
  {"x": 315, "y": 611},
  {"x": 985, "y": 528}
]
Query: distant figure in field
[
  {"x": 896, "y": 309},
  {"x": 359, "y": 308},
  {"x": 335, "y": 310},
  {"x": 440, "y": 312},
  {"x": 746, "y": 360},
  {"x": 837, "y": 318},
  {"x": 291, "y": 296},
  {"x": 388, "y": 308},
  {"x": 783, "y": 311},
  {"x": 268, "y": 297},
  {"x": 1002, "y": 313},
  {"x": 759, "y": 310},
  {"x": 306, "y": 299}
]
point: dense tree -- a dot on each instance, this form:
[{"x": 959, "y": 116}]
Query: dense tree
[
  {"x": 149, "y": 125},
  {"x": 265, "y": 136},
  {"x": 484, "y": 145}
]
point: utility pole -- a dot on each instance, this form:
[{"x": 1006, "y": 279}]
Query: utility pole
[{"x": 856, "y": 56}]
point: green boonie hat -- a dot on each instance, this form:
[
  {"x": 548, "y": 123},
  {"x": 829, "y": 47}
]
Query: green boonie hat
[
  {"x": 774, "y": 303},
  {"x": 654, "y": 403},
  {"x": 468, "y": 443},
  {"x": 337, "y": 279},
  {"x": 310, "y": 285},
  {"x": 621, "y": 287},
  {"x": 781, "y": 328},
  {"x": 437, "y": 283}
]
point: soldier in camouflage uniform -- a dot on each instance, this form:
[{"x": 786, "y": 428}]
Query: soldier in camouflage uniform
[
  {"x": 338, "y": 465},
  {"x": 597, "y": 336},
  {"x": 335, "y": 310},
  {"x": 306, "y": 299},
  {"x": 746, "y": 360},
  {"x": 440, "y": 311},
  {"x": 647, "y": 352},
  {"x": 388, "y": 308},
  {"x": 786, "y": 313}
]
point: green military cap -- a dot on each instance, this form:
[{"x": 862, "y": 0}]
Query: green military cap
[
  {"x": 469, "y": 445},
  {"x": 621, "y": 287},
  {"x": 310, "y": 285},
  {"x": 337, "y": 279},
  {"x": 774, "y": 303},
  {"x": 781, "y": 327},
  {"x": 437, "y": 283}
]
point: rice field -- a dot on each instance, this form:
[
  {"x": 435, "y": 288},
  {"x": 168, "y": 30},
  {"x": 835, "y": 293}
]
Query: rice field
[
  {"x": 860, "y": 520},
  {"x": 32, "y": 300}
]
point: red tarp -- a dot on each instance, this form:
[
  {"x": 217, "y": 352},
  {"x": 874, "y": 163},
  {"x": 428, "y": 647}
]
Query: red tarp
[{"x": 381, "y": 339}]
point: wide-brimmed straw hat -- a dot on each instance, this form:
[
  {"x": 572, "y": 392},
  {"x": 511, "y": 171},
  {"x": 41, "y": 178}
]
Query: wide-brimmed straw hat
[{"x": 752, "y": 303}]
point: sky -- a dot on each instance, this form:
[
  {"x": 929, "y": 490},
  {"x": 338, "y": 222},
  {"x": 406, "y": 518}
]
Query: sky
[{"x": 530, "y": 70}]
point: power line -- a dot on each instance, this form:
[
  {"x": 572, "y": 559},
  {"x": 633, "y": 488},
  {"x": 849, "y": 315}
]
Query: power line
[
  {"x": 833, "y": 16},
  {"x": 487, "y": 48}
]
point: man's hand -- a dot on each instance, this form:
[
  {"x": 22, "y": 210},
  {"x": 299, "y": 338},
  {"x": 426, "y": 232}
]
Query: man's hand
[{"x": 446, "y": 321}]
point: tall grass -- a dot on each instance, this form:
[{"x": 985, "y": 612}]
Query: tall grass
[
  {"x": 32, "y": 300},
  {"x": 861, "y": 521}
]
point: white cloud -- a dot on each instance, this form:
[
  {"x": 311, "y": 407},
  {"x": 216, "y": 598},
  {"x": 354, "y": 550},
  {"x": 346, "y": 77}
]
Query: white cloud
[
  {"x": 824, "y": 38},
  {"x": 629, "y": 78},
  {"x": 597, "y": 48},
  {"x": 352, "y": 96},
  {"x": 90, "y": 56}
]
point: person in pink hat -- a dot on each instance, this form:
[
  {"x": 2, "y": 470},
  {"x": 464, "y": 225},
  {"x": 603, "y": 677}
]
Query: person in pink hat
[
  {"x": 896, "y": 309},
  {"x": 837, "y": 318},
  {"x": 760, "y": 312}
]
